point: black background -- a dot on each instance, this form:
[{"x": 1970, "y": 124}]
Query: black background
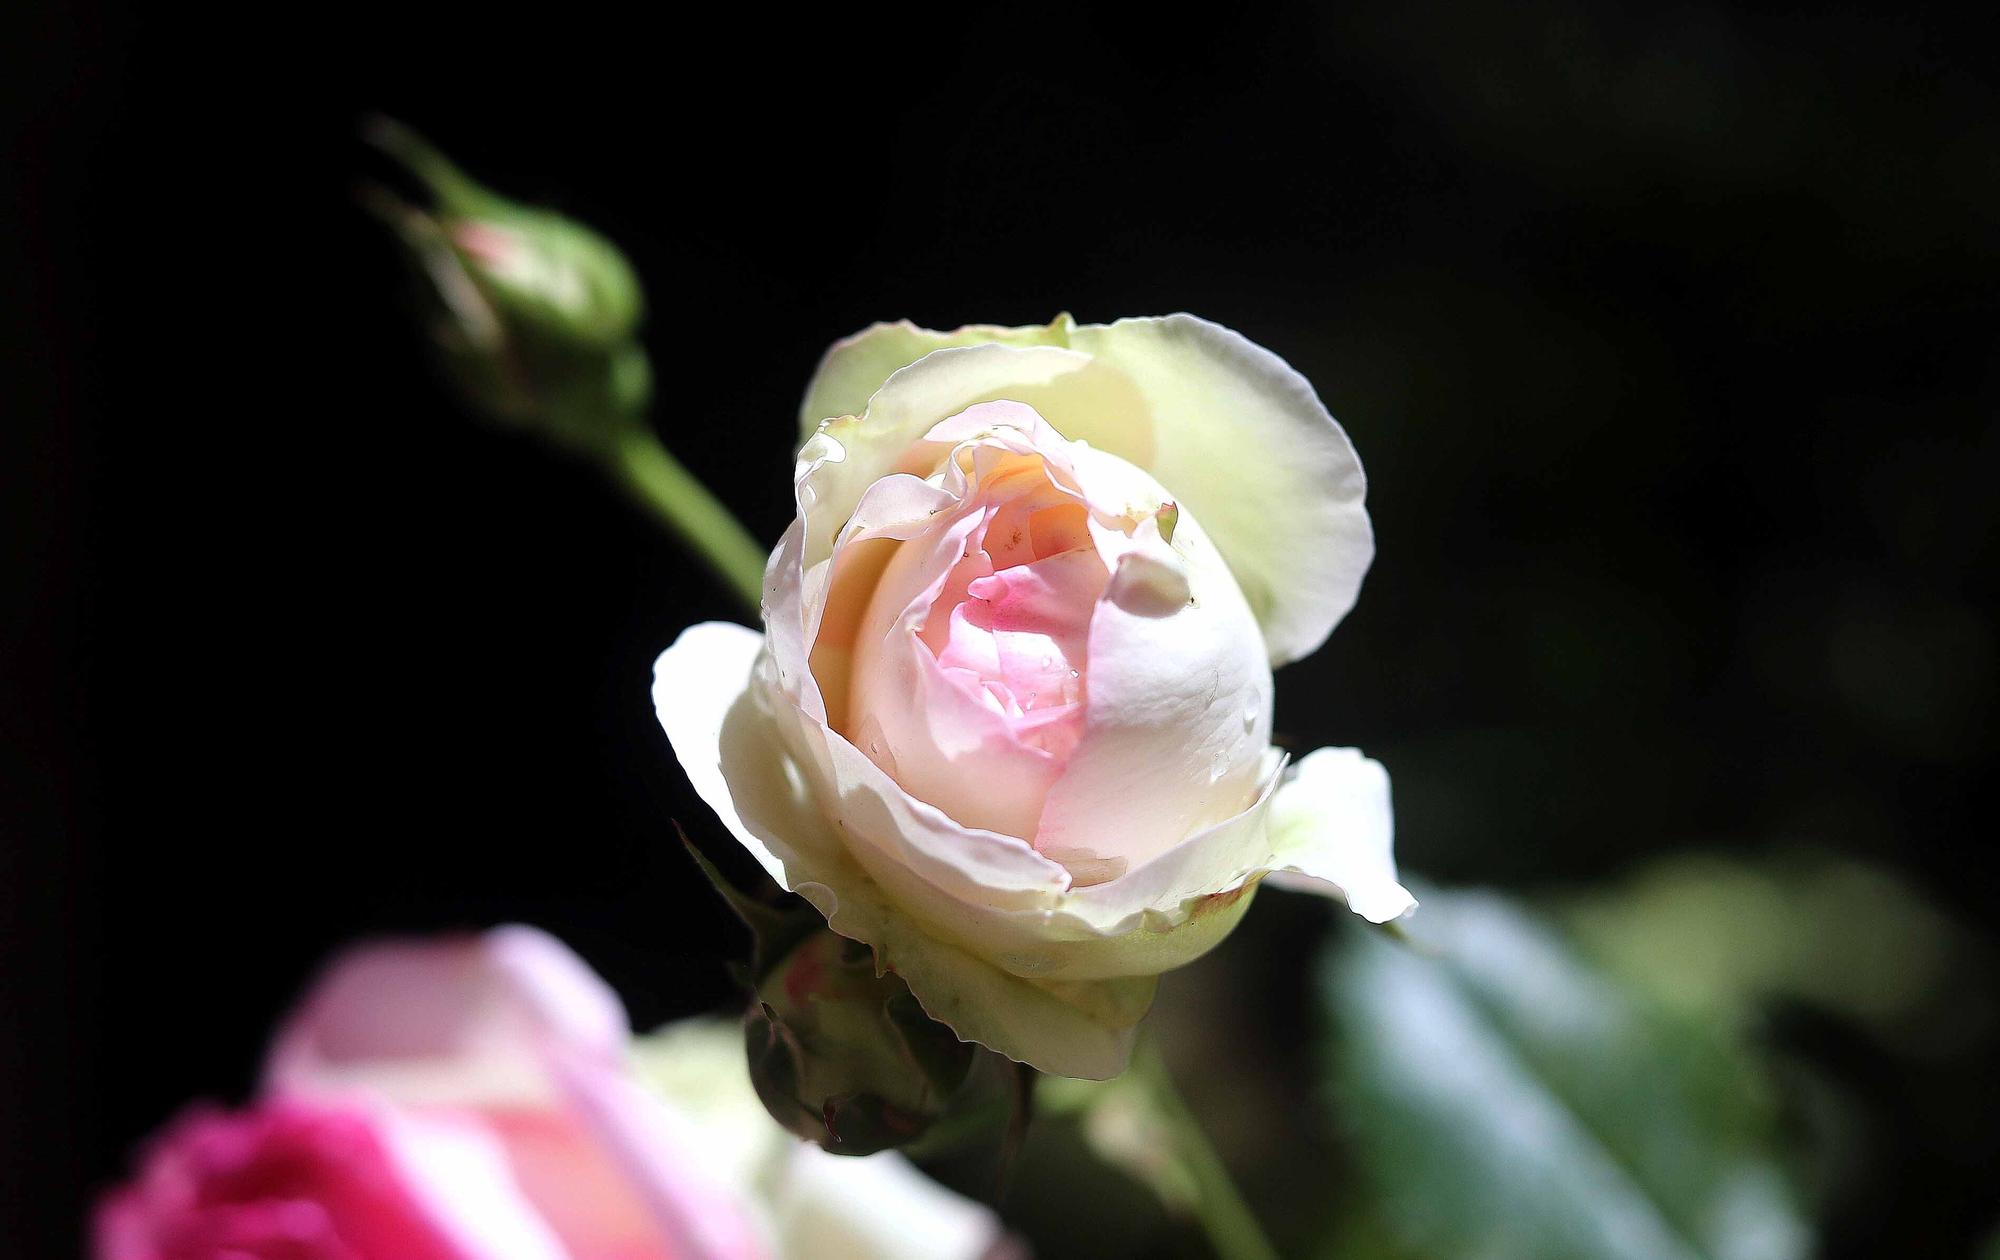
[{"x": 1666, "y": 334}]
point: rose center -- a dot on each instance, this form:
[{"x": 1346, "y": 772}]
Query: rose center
[
  {"x": 1011, "y": 627},
  {"x": 972, "y": 655}
]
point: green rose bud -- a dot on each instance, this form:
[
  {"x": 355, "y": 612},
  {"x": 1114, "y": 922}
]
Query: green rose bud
[
  {"x": 844, "y": 1056},
  {"x": 535, "y": 317},
  {"x": 847, "y": 1058}
]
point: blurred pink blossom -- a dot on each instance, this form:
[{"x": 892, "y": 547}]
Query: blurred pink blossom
[{"x": 471, "y": 1099}]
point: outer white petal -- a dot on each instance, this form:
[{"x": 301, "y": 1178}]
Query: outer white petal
[
  {"x": 837, "y": 1207},
  {"x": 855, "y": 367},
  {"x": 1206, "y": 873},
  {"x": 1332, "y": 824},
  {"x": 696, "y": 684},
  {"x": 1241, "y": 438},
  {"x": 846, "y": 456},
  {"x": 1160, "y": 916}
]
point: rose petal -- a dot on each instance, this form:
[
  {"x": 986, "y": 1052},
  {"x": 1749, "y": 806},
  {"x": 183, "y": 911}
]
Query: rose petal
[
  {"x": 1149, "y": 920},
  {"x": 855, "y": 367},
  {"x": 699, "y": 685},
  {"x": 1178, "y": 713},
  {"x": 897, "y": 836},
  {"x": 829, "y": 614},
  {"x": 461, "y": 1022},
  {"x": 843, "y": 459},
  {"x": 1243, "y": 440},
  {"x": 945, "y": 747},
  {"x": 666, "y": 1163},
  {"x": 501, "y": 1047},
  {"x": 1332, "y": 824},
  {"x": 460, "y": 1173}
]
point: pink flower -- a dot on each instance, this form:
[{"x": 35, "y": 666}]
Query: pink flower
[
  {"x": 469, "y": 1099},
  {"x": 299, "y": 1180}
]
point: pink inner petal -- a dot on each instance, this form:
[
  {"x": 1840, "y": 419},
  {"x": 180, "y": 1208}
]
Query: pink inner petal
[
  {"x": 1012, "y": 624},
  {"x": 996, "y": 600}
]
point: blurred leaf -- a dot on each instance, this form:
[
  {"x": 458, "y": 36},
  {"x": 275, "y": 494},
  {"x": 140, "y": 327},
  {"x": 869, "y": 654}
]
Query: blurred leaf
[
  {"x": 1714, "y": 937},
  {"x": 1507, "y": 1101},
  {"x": 1359, "y": 1231}
]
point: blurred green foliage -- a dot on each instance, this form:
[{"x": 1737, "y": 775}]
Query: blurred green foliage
[
  {"x": 1507, "y": 1100},
  {"x": 1605, "y": 1072},
  {"x": 1719, "y": 939}
]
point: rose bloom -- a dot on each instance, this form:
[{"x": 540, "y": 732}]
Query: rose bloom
[
  {"x": 1010, "y": 719},
  {"x": 479, "y": 1099}
]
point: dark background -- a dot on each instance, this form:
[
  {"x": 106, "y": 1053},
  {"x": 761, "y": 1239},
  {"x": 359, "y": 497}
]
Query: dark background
[{"x": 1666, "y": 334}]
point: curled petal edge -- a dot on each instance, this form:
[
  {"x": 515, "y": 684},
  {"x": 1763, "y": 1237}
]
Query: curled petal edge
[{"x": 1333, "y": 832}]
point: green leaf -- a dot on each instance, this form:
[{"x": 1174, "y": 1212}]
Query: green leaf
[{"x": 1507, "y": 1101}]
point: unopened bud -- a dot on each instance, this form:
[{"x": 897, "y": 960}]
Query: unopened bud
[
  {"x": 846, "y": 1058},
  {"x": 534, "y": 315}
]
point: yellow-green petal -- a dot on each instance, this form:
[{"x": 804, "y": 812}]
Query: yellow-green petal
[
  {"x": 1241, "y": 438},
  {"x": 855, "y": 367}
]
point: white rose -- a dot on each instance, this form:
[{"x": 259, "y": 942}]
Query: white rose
[{"x": 1010, "y": 721}]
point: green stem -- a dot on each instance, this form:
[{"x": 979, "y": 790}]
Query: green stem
[
  {"x": 1231, "y": 1226},
  {"x": 670, "y": 492}
]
